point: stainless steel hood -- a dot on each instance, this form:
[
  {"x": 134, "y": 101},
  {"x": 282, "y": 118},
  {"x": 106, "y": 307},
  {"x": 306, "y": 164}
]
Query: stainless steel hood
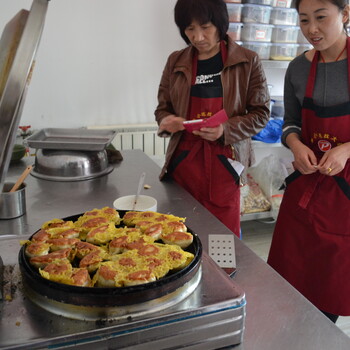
[{"x": 18, "y": 46}]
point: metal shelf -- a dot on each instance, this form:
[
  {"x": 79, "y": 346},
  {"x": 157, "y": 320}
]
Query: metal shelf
[
  {"x": 275, "y": 64},
  {"x": 258, "y": 216},
  {"x": 260, "y": 144}
]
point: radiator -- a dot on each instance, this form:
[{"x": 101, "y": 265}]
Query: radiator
[{"x": 138, "y": 136}]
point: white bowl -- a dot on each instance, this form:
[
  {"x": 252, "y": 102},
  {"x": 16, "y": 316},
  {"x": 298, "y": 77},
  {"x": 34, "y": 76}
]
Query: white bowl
[{"x": 144, "y": 203}]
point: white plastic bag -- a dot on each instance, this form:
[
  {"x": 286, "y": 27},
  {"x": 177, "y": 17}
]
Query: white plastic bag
[
  {"x": 253, "y": 199},
  {"x": 270, "y": 174}
]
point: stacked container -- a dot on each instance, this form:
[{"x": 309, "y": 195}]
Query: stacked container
[
  {"x": 285, "y": 16},
  {"x": 234, "y": 9},
  {"x": 261, "y": 48},
  {"x": 281, "y": 3},
  {"x": 234, "y": 31},
  {"x": 285, "y": 32},
  {"x": 303, "y": 44},
  {"x": 256, "y": 21},
  {"x": 253, "y": 13},
  {"x": 256, "y": 28},
  {"x": 234, "y": 12},
  {"x": 268, "y": 27}
]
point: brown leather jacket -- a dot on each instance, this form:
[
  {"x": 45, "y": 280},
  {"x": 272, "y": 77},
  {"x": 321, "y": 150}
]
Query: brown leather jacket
[{"x": 246, "y": 98}]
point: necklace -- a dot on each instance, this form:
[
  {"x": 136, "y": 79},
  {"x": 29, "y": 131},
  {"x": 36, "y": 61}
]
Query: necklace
[{"x": 322, "y": 59}]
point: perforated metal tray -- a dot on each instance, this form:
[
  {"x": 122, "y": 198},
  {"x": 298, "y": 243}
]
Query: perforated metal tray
[{"x": 222, "y": 251}]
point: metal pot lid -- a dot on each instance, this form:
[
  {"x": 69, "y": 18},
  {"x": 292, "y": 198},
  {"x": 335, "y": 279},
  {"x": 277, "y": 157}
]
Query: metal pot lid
[{"x": 18, "y": 46}]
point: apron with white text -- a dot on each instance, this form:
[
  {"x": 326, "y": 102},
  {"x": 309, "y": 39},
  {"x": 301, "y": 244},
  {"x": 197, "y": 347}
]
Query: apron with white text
[
  {"x": 202, "y": 167},
  {"x": 311, "y": 242}
]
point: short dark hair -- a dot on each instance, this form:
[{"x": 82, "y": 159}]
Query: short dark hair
[
  {"x": 341, "y": 4},
  {"x": 203, "y": 11}
]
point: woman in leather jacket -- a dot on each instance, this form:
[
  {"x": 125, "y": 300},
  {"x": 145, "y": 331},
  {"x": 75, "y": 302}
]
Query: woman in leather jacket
[{"x": 211, "y": 74}]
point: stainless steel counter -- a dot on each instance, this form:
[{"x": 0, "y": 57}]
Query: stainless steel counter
[
  {"x": 50, "y": 199},
  {"x": 278, "y": 317}
]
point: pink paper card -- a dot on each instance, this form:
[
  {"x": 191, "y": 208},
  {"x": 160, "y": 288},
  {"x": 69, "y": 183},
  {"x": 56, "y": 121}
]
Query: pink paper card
[{"x": 212, "y": 122}]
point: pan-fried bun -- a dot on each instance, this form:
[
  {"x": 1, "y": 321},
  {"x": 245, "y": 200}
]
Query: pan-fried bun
[
  {"x": 139, "y": 277},
  {"x": 57, "y": 271},
  {"x": 37, "y": 249},
  {"x": 62, "y": 243},
  {"x": 58, "y": 224},
  {"x": 93, "y": 260},
  {"x": 155, "y": 231},
  {"x": 85, "y": 248},
  {"x": 98, "y": 251},
  {"x": 102, "y": 234},
  {"x": 80, "y": 277},
  {"x": 182, "y": 239},
  {"x": 43, "y": 260},
  {"x": 107, "y": 276}
]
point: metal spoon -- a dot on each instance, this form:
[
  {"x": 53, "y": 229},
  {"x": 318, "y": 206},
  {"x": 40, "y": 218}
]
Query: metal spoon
[{"x": 141, "y": 182}]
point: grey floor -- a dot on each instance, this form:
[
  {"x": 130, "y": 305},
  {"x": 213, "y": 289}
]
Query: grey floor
[{"x": 257, "y": 236}]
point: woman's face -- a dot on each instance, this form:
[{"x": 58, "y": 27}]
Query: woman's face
[
  {"x": 205, "y": 38},
  {"x": 321, "y": 22}
]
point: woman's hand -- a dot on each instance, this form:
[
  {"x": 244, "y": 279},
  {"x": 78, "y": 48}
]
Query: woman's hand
[
  {"x": 210, "y": 134},
  {"x": 334, "y": 160},
  {"x": 304, "y": 158},
  {"x": 172, "y": 123}
]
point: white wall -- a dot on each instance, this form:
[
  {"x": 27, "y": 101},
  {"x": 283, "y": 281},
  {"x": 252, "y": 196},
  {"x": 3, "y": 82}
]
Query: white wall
[{"x": 99, "y": 61}]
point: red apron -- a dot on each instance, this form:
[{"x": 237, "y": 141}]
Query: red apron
[
  {"x": 202, "y": 167},
  {"x": 311, "y": 242}
]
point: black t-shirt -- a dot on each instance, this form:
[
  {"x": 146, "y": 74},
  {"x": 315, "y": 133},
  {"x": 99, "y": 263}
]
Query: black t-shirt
[{"x": 208, "y": 79}]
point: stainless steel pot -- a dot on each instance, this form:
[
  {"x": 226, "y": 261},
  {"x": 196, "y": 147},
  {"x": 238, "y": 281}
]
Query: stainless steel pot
[
  {"x": 74, "y": 165},
  {"x": 12, "y": 204}
]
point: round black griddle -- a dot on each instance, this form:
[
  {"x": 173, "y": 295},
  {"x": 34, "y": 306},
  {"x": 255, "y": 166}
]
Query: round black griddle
[{"x": 104, "y": 297}]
